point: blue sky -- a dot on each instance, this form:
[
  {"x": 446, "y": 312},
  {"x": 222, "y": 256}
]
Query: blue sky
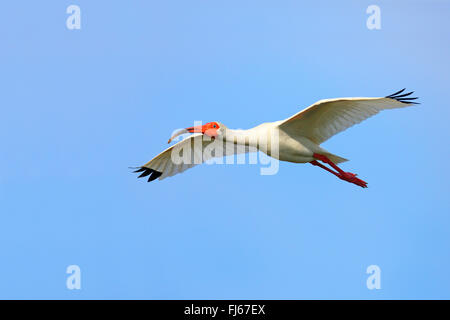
[{"x": 81, "y": 106}]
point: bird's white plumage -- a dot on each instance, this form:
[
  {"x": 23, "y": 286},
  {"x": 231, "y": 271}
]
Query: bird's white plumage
[
  {"x": 298, "y": 137},
  {"x": 325, "y": 118},
  {"x": 196, "y": 143}
]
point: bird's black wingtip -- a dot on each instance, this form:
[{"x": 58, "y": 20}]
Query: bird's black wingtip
[
  {"x": 153, "y": 174},
  {"x": 403, "y": 98}
]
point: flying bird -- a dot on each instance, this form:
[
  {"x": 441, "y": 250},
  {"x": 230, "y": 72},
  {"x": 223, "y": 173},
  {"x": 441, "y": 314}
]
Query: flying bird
[{"x": 298, "y": 137}]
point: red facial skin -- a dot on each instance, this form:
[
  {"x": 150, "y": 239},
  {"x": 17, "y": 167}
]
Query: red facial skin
[{"x": 210, "y": 129}]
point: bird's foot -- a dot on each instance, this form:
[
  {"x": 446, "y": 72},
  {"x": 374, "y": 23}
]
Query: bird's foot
[{"x": 351, "y": 177}]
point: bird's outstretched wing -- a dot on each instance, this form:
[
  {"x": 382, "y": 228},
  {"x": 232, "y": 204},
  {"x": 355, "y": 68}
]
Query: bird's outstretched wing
[
  {"x": 189, "y": 152},
  {"x": 325, "y": 118}
]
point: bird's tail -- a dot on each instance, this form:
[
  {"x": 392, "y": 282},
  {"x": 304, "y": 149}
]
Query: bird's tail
[{"x": 334, "y": 158}]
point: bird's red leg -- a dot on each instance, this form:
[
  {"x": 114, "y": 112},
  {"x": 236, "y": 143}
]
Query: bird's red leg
[
  {"x": 325, "y": 159},
  {"x": 347, "y": 176},
  {"x": 317, "y": 163}
]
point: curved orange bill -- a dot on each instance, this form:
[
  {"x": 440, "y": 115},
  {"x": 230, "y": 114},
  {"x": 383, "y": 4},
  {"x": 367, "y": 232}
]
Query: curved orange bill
[{"x": 196, "y": 129}]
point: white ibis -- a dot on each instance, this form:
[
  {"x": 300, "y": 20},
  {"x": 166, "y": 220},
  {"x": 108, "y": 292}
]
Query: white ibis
[{"x": 299, "y": 136}]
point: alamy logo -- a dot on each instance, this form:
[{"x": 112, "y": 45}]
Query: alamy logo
[
  {"x": 74, "y": 280},
  {"x": 233, "y": 146},
  {"x": 74, "y": 20},
  {"x": 374, "y": 280},
  {"x": 374, "y": 20}
]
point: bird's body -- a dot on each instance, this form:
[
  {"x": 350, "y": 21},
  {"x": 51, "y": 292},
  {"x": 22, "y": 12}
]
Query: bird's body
[
  {"x": 291, "y": 148},
  {"x": 296, "y": 139}
]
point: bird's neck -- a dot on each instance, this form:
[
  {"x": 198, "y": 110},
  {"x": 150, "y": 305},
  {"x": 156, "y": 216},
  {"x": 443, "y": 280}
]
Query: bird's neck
[{"x": 242, "y": 137}]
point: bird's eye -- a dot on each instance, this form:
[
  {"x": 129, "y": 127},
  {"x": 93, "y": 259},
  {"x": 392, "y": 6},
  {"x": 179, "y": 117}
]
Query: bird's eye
[{"x": 215, "y": 126}]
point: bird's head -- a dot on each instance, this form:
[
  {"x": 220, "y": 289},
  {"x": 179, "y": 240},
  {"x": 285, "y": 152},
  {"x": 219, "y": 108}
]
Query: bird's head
[{"x": 211, "y": 129}]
